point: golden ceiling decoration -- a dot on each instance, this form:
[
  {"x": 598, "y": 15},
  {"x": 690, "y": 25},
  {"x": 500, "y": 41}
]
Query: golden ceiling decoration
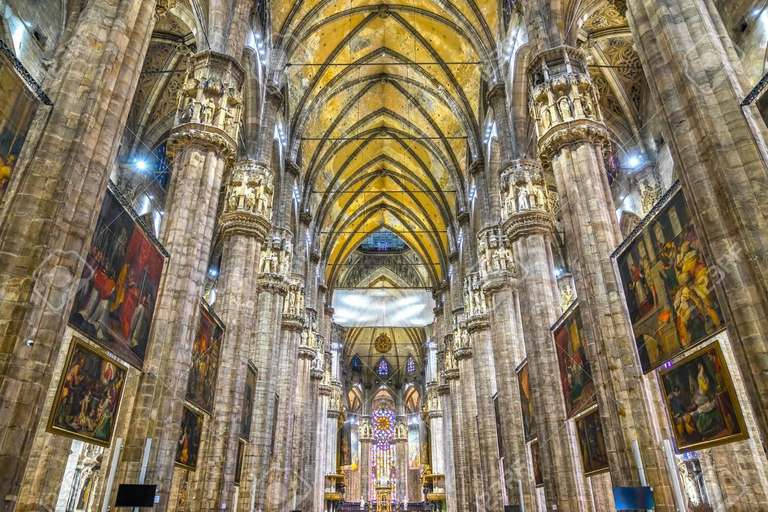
[
  {"x": 606, "y": 18},
  {"x": 383, "y": 343}
]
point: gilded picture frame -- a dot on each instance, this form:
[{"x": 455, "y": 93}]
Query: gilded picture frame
[
  {"x": 89, "y": 395},
  {"x": 695, "y": 415}
]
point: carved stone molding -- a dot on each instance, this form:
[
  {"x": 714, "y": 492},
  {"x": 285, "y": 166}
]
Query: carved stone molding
[
  {"x": 529, "y": 223},
  {"x": 324, "y": 389},
  {"x": 293, "y": 323},
  {"x": 462, "y": 353},
  {"x": 210, "y": 105},
  {"x": 564, "y": 101},
  {"x": 478, "y": 323},
  {"x": 273, "y": 283},
  {"x": 307, "y": 352},
  {"x": 451, "y": 374}
]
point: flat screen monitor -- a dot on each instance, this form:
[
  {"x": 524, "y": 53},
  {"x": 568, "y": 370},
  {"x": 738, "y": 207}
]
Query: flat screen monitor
[
  {"x": 135, "y": 495},
  {"x": 633, "y": 498}
]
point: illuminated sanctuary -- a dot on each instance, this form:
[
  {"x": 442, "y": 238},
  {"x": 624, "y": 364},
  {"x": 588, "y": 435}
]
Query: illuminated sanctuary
[{"x": 384, "y": 255}]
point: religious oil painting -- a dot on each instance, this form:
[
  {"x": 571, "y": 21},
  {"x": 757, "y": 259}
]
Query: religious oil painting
[
  {"x": 204, "y": 367},
  {"x": 346, "y": 445},
  {"x": 239, "y": 461},
  {"x": 17, "y": 108},
  {"x": 425, "y": 439},
  {"x": 594, "y": 456},
  {"x": 117, "y": 293},
  {"x": 188, "y": 445},
  {"x": 575, "y": 370},
  {"x": 414, "y": 447},
  {"x": 247, "y": 409},
  {"x": 668, "y": 286},
  {"x": 701, "y": 402},
  {"x": 88, "y": 397},
  {"x": 526, "y": 400},
  {"x": 538, "y": 476}
]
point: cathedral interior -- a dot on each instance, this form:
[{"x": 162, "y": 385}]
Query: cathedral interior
[{"x": 384, "y": 255}]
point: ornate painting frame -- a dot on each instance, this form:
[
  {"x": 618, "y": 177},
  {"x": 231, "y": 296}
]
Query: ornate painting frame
[
  {"x": 667, "y": 283},
  {"x": 72, "y": 377},
  {"x": 575, "y": 370},
  {"x": 707, "y": 359}
]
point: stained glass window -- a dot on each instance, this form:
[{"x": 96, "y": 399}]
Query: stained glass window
[
  {"x": 383, "y": 368},
  {"x": 410, "y": 366},
  {"x": 356, "y": 364}
]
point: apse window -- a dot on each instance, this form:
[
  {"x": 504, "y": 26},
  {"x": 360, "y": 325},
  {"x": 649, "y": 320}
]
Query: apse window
[
  {"x": 383, "y": 368},
  {"x": 410, "y": 366}
]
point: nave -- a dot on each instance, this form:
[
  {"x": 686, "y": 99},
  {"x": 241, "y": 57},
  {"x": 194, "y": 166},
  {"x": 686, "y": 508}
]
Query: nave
[{"x": 418, "y": 255}]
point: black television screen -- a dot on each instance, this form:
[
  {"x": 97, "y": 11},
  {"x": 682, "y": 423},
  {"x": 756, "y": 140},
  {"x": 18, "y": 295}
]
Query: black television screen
[
  {"x": 633, "y": 498},
  {"x": 135, "y": 495}
]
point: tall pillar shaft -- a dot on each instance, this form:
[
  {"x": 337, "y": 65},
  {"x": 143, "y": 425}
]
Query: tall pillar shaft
[
  {"x": 571, "y": 135},
  {"x": 202, "y": 146},
  {"x": 507, "y": 350},
  {"x": 469, "y": 430},
  {"x": 51, "y": 207},
  {"x": 720, "y": 156},
  {"x": 244, "y": 226}
]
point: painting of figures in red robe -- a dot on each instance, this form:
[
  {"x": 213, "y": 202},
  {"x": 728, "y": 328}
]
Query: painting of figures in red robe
[
  {"x": 116, "y": 297},
  {"x": 575, "y": 370},
  {"x": 204, "y": 367},
  {"x": 701, "y": 402},
  {"x": 188, "y": 445},
  {"x": 17, "y": 108},
  {"x": 668, "y": 286},
  {"x": 88, "y": 397}
]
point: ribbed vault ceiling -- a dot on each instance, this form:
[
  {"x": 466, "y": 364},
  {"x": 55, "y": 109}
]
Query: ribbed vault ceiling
[{"x": 383, "y": 107}]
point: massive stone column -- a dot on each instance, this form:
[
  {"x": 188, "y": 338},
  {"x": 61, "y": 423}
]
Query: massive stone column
[
  {"x": 571, "y": 135},
  {"x": 529, "y": 229},
  {"x": 52, "y": 204},
  {"x": 480, "y": 378},
  {"x": 463, "y": 353},
  {"x": 463, "y": 478},
  {"x": 243, "y": 226},
  {"x": 720, "y": 156},
  {"x": 202, "y": 145},
  {"x": 497, "y": 272},
  {"x": 264, "y": 354},
  {"x": 279, "y": 496}
]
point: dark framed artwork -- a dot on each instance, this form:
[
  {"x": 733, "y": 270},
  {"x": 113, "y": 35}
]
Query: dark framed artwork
[
  {"x": 239, "y": 462},
  {"x": 247, "y": 408},
  {"x": 575, "y": 370},
  {"x": 538, "y": 476},
  {"x": 188, "y": 446},
  {"x": 204, "y": 366},
  {"x": 425, "y": 440},
  {"x": 18, "y": 105},
  {"x": 346, "y": 445},
  {"x": 88, "y": 397},
  {"x": 667, "y": 285},
  {"x": 414, "y": 447},
  {"x": 526, "y": 401},
  {"x": 701, "y": 402},
  {"x": 117, "y": 293},
  {"x": 594, "y": 456}
]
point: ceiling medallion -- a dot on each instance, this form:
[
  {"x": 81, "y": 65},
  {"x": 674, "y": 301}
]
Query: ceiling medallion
[{"x": 383, "y": 343}]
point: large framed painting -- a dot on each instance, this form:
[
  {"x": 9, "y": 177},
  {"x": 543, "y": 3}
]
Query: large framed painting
[
  {"x": 204, "y": 367},
  {"x": 425, "y": 440},
  {"x": 414, "y": 447},
  {"x": 117, "y": 293},
  {"x": 18, "y": 104},
  {"x": 594, "y": 456},
  {"x": 526, "y": 401},
  {"x": 188, "y": 446},
  {"x": 700, "y": 401},
  {"x": 667, "y": 284},
  {"x": 247, "y": 409},
  {"x": 88, "y": 397},
  {"x": 538, "y": 476},
  {"x": 346, "y": 445},
  {"x": 239, "y": 461},
  {"x": 575, "y": 370}
]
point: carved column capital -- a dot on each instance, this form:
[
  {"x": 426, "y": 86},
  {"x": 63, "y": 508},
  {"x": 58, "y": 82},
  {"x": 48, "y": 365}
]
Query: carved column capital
[
  {"x": 529, "y": 223},
  {"x": 564, "y": 101},
  {"x": 210, "y": 105}
]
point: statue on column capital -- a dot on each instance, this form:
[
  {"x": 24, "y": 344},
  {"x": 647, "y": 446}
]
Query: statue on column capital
[
  {"x": 210, "y": 104},
  {"x": 248, "y": 200},
  {"x": 528, "y": 199},
  {"x": 494, "y": 256},
  {"x": 564, "y": 100}
]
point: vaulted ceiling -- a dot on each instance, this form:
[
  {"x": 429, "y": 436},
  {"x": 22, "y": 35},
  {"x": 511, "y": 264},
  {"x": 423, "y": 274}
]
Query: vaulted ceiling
[{"x": 383, "y": 106}]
